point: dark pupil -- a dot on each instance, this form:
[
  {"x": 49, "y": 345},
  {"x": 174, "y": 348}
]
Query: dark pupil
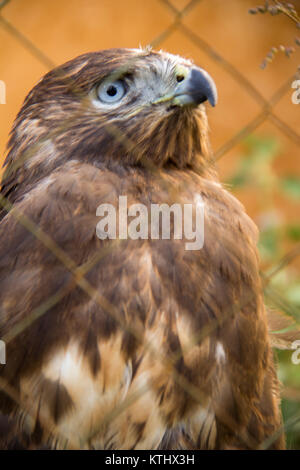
[{"x": 111, "y": 91}]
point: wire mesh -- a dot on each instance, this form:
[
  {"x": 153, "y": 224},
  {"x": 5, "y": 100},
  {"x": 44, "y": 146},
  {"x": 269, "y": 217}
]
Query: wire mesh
[{"x": 80, "y": 272}]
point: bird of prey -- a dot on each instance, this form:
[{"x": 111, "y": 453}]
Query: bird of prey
[{"x": 127, "y": 343}]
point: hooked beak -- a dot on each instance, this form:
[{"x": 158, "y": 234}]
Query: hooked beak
[{"x": 196, "y": 88}]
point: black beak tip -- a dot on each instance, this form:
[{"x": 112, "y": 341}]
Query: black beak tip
[{"x": 203, "y": 87}]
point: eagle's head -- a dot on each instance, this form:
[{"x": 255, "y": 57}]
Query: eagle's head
[{"x": 133, "y": 106}]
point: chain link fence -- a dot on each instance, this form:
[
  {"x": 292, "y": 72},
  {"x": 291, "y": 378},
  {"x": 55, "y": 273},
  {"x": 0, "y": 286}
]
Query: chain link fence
[{"x": 266, "y": 113}]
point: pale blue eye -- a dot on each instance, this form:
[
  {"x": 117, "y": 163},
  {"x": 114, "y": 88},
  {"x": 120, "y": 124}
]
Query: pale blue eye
[{"x": 111, "y": 92}]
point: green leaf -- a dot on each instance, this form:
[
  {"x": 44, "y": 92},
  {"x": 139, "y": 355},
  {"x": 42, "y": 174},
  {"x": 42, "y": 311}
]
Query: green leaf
[
  {"x": 290, "y": 185},
  {"x": 293, "y": 294},
  {"x": 293, "y": 232},
  {"x": 254, "y": 168},
  {"x": 268, "y": 244},
  {"x": 238, "y": 180},
  {"x": 265, "y": 147}
]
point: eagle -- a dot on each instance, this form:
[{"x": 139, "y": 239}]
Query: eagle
[{"x": 127, "y": 343}]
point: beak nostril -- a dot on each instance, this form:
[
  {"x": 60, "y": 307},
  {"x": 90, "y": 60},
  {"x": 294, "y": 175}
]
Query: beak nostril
[{"x": 180, "y": 78}]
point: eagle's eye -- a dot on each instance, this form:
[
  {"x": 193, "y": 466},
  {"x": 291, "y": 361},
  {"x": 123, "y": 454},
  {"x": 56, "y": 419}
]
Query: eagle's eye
[
  {"x": 179, "y": 78},
  {"x": 111, "y": 92}
]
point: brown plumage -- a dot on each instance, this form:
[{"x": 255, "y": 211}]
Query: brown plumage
[{"x": 127, "y": 344}]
